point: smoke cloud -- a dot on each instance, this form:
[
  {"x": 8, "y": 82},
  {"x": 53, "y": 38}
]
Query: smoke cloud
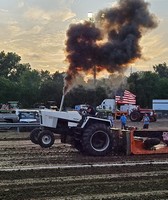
[{"x": 111, "y": 42}]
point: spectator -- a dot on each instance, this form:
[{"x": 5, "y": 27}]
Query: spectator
[
  {"x": 123, "y": 120},
  {"x": 146, "y": 121},
  {"x": 110, "y": 117}
]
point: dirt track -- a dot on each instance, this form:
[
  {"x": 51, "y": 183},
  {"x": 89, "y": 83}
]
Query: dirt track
[{"x": 29, "y": 172}]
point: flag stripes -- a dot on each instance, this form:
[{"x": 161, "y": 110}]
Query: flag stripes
[{"x": 127, "y": 98}]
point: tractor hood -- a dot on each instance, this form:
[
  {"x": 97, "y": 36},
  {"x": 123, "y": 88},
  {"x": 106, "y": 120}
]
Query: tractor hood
[{"x": 50, "y": 117}]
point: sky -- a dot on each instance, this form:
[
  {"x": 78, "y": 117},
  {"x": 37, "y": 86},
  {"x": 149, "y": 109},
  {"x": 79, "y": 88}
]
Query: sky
[{"x": 36, "y": 31}]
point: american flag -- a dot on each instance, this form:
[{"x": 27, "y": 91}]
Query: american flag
[
  {"x": 117, "y": 98},
  {"x": 127, "y": 98}
]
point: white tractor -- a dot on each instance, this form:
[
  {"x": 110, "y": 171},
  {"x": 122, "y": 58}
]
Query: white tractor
[{"x": 89, "y": 134}]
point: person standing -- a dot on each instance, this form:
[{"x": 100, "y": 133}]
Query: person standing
[
  {"x": 110, "y": 117},
  {"x": 146, "y": 121},
  {"x": 123, "y": 120}
]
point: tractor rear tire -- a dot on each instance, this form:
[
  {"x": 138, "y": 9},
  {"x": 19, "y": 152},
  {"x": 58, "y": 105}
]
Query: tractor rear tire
[
  {"x": 78, "y": 146},
  {"x": 34, "y": 135},
  {"x": 135, "y": 116},
  {"x": 96, "y": 140},
  {"x": 153, "y": 119},
  {"x": 46, "y": 139}
]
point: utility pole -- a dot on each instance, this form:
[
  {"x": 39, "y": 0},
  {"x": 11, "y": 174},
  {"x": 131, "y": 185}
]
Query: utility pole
[
  {"x": 91, "y": 20},
  {"x": 94, "y": 75}
]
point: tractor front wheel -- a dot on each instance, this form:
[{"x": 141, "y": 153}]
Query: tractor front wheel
[
  {"x": 153, "y": 119},
  {"x": 34, "y": 135},
  {"x": 46, "y": 139}
]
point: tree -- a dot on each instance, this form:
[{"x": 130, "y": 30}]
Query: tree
[
  {"x": 161, "y": 70},
  {"x": 29, "y": 88},
  {"x": 16, "y": 73},
  {"x": 10, "y": 66},
  {"x": 85, "y": 95},
  {"x": 76, "y": 96},
  {"x": 8, "y": 90},
  {"x": 52, "y": 88},
  {"x": 20, "y": 83},
  {"x": 162, "y": 92},
  {"x": 145, "y": 85},
  {"x": 45, "y": 75}
]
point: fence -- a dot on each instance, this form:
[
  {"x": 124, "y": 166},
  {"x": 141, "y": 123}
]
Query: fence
[{"x": 18, "y": 125}]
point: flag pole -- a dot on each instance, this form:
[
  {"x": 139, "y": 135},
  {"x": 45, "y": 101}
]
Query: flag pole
[{"x": 115, "y": 109}]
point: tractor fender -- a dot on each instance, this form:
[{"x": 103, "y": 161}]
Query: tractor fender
[{"x": 91, "y": 120}]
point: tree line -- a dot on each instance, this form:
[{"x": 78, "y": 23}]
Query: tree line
[{"x": 19, "y": 82}]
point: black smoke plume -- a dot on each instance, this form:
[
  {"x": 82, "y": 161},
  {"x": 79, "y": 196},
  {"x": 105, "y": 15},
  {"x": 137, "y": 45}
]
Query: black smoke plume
[{"x": 111, "y": 42}]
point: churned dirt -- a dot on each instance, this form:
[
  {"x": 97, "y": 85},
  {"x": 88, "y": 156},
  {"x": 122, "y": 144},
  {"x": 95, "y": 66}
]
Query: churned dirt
[{"x": 61, "y": 172}]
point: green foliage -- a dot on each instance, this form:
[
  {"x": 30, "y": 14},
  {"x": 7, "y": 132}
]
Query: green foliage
[
  {"x": 83, "y": 95},
  {"x": 8, "y": 62},
  {"x": 76, "y": 96},
  {"x": 17, "y": 72},
  {"x": 45, "y": 75},
  {"x": 8, "y": 90},
  {"x": 20, "y": 83},
  {"x": 29, "y": 88},
  {"x": 162, "y": 92},
  {"x": 161, "y": 70},
  {"x": 149, "y": 85},
  {"x": 52, "y": 87}
]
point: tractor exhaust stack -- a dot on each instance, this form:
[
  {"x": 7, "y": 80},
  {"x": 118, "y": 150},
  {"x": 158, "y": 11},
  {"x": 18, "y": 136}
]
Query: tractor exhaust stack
[{"x": 62, "y": 101}]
